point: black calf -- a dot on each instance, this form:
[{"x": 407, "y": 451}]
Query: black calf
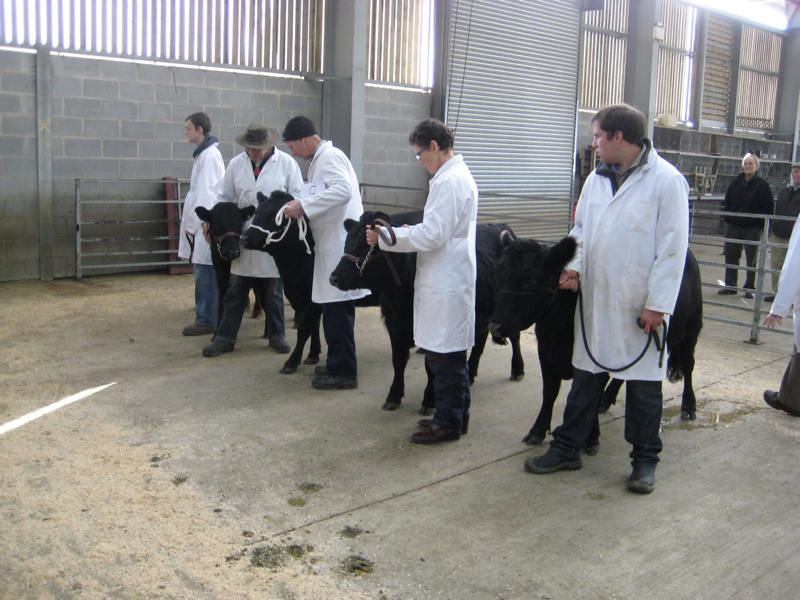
[
  {"x": 225, "y": 224},
  {"x": 528, "y": 293},
  {"x": 295, "y": 261},
  {"x": 362, "y": 267}
]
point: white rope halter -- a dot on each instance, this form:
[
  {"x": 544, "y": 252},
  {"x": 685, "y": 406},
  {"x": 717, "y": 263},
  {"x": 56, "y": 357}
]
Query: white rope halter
[{"x": 274, "y": 238}]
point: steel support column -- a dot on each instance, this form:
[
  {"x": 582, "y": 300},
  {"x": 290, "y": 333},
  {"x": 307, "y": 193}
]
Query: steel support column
[
  {"x": 45, "y": 162},
  {"x": 641, "y": 64},
  {"x": 344, "y": 92}
]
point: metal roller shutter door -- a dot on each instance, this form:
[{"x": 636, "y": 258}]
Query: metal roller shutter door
[{"x": 512, "y": 100}]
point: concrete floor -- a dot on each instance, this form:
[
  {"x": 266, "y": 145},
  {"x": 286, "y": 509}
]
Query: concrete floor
[{"x": 461, "y": 520}]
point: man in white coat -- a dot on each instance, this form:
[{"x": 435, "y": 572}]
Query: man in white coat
[
  {"x": 334, "y": 197},
  {"x": 632, "y": 230},
  {"x": 207, "y": 171},
  {"x": 787, "y": 398},
  {"x": 260, "y": 168},
  {"x": 444, "y": 286}
]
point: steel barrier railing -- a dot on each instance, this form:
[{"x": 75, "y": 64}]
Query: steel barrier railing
[{"x": 113, "y": 217}]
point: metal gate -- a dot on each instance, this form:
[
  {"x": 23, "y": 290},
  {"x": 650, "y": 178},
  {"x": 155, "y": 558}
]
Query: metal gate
[{"x": 124, "y": 225}]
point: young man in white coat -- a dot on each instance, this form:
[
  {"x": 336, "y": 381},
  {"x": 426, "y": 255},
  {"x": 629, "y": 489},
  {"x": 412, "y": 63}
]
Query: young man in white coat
[
  {"x": 632, "y": 233},
  {"x": 444, "y": 286},
  {"x": 260, "y": 168},
  {"x": 207, "y": 171},
  {"x": 337, "y": 198}
]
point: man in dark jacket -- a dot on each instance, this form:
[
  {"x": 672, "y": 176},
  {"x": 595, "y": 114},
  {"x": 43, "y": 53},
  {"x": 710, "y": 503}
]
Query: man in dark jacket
[
  {"x": 748, "y": 193},
  {"x": 787, "y": 205}
]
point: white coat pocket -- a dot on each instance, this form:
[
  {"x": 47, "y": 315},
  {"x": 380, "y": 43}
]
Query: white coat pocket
[
  {"x": 633, "y": 288},
  {"x": 641, "y": 215}
]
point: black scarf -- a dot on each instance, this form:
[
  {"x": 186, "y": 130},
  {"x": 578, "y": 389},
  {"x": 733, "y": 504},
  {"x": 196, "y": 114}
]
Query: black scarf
[{"x": 207, "y": 143}]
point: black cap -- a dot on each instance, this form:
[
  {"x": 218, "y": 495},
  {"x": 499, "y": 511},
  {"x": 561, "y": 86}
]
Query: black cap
[{"x": 298, "y": 128}]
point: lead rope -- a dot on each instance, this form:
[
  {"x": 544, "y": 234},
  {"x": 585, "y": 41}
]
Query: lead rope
[
  {"x": 274, "y": 238},
  {"x": 652, "y": 336}
]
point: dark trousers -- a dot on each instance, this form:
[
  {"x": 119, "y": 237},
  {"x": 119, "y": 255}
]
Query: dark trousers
[
  {"x": 338, "y": 324},
  {"x": 450, "y": 387},
  {"x": 733, "y": 252},
  {"x": 235, "y": 301},
  {"x": 643, "y": 403}
]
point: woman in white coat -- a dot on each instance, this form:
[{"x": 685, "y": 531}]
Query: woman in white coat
[
  {"x": 444, "y": 287},
  {"x": 207, "y": 171},
  {"x": 261, "y": 168},
  {"x": 788, "y": 398}
]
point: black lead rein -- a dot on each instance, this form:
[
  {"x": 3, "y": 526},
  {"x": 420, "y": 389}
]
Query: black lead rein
[{"x": 652, "y": 336}]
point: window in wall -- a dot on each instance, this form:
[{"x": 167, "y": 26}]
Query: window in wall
[
  {"x": 676, "y": 61},
  {"x": 400, "y": 42},
  {"x": 604, "y": 46},
  {"x": 281, "y": 35},
  {"x": 758, "y": 78}
]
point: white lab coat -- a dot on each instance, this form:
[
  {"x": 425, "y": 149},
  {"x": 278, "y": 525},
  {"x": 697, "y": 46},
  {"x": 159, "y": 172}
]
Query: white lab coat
[
  {"x": 281, "y": 172},
  {"x": 631, "y": 254},
  {"x": 444, "y": 287},
  {"x": 327, "y": 211},
  {"x": 207, "y": 171},
  {"x": 789, "y": 285}
]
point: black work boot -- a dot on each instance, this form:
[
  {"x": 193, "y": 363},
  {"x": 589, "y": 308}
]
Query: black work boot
[{"x": 643, "y": 478}]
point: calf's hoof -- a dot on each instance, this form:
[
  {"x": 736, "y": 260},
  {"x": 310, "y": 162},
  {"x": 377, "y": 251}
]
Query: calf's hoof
[
  {"x": 390, "y": 405},
  {"x": 517, "y": 377},
  {"x": 591, "y": 449},
  {"x": 533, "y": 438},
  {"x": 288, "y": 370},
  {"x": 311, "y": 360},
  {"x": 603, "y": 408},
  {"x": 688, "y": 415},
  {"x": 426, "y": 411}
]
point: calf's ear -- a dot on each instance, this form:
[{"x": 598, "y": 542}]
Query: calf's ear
[
  {"x": 203, "y": 213},
  {"x": 248, "y": 212},
  {"x": 349, "y": 224},
  {"x": 261, "y": 197},
  {"x": 506, "y": 237},
  {"x": 563, "y": 252}
]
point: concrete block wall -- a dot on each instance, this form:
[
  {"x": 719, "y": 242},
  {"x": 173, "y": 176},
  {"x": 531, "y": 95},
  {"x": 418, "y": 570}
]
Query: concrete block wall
[
  {"x": 389, "y": 117},
  {"x": 19, "y": 188},
  {"x": 117, "y": 119}
]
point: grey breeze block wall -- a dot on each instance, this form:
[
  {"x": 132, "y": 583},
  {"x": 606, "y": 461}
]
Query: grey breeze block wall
[
  {"x": 119, "y": 119},
  {"x": 390, "y": 115}
]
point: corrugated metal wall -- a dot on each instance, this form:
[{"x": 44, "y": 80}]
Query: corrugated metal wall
[{"x": 512, "y": 100}]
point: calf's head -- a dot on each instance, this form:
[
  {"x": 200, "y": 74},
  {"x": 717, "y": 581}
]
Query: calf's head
[
  {"x": 225, "y": 224},
  {"x": 527, "y": 283},
  {"x": 348, "y": 273},
  {"x": 263, "y": 228}
]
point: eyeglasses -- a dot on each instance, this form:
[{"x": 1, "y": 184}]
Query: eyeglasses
[{"x": 418, "y": 155}]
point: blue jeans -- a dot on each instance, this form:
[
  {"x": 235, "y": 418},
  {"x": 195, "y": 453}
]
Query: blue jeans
[
  {"x": 338, "y": 324},
  {"x": 206, "y": 294},
  {"x": 643, "y": 404},
  {"x": 235, "y": 301},
  {"x": 450, "y": 387}
]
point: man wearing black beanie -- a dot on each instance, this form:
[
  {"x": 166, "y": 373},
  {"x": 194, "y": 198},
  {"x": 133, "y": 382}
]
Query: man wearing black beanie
[{"x": 334, "y": 197}]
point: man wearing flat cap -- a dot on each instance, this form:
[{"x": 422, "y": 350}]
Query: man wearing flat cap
[
  {"x": 338, "y": 199},
  {"x": 787, "y": 205},
  {"x": 260, "y": 168}
]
